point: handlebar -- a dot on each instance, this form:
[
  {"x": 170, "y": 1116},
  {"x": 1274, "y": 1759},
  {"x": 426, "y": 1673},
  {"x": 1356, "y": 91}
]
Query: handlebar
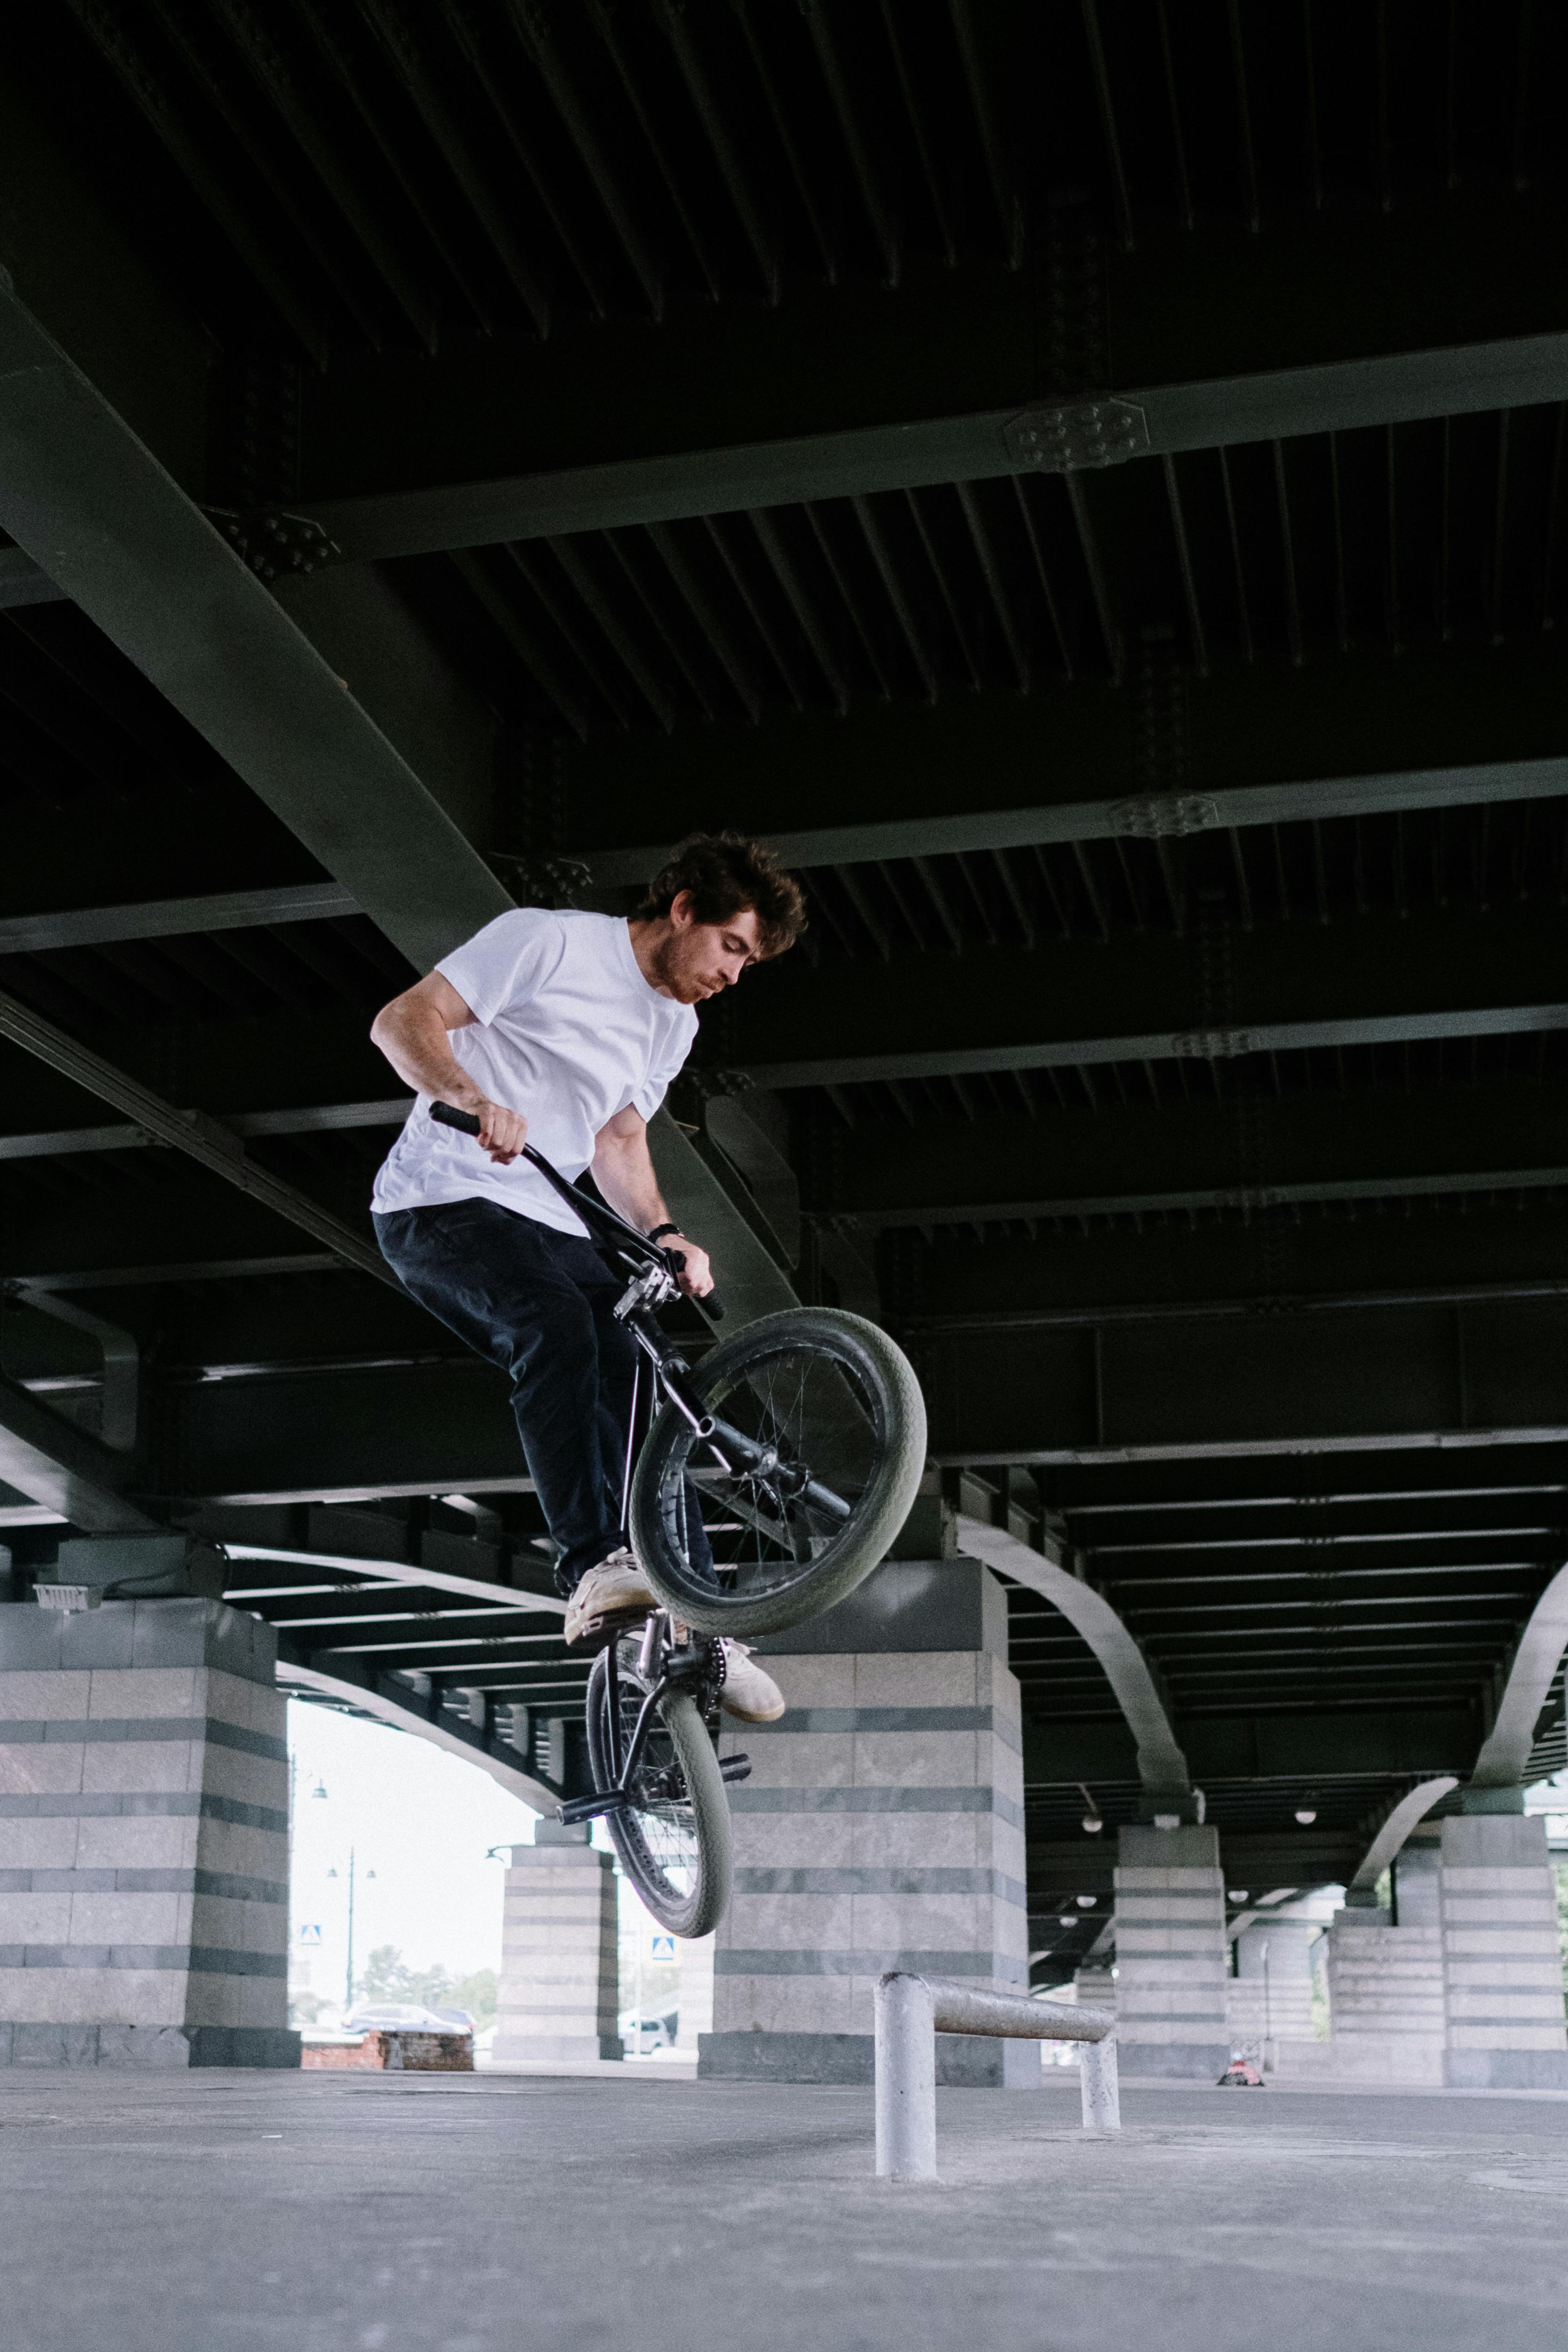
[{"x": 612, "y": 1228}]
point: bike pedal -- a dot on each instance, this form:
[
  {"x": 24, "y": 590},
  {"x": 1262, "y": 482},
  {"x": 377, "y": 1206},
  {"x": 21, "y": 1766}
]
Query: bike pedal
[
  {"x": 735, "y": 1768},
  {"x": 608, "y": 1630}
]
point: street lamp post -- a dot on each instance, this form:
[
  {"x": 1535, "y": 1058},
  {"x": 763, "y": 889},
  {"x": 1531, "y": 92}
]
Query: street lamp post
[{"x": 349, "y": 1970}]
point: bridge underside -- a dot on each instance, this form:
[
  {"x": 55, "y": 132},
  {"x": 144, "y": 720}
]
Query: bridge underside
[{"x": 671, "y": 417}]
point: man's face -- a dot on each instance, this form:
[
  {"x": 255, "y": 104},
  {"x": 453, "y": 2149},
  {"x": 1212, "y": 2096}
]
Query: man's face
[{"x": 699, "y": 958}]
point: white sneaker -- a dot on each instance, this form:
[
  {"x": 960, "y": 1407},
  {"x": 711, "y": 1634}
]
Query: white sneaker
[
  {"x": 746, "y": 1693},
  {"x": 614, "y": 1594}
]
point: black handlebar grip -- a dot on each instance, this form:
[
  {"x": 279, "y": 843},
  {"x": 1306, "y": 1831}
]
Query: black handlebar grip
[
  {"x": 710, "y": 1304},
  {"x": 462, "y": 1120}
]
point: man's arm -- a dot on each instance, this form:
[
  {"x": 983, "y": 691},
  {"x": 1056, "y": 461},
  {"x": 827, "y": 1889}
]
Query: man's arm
[
  {"x": 411, "y": 1032},
  {"x": 623, "y": 1171}
]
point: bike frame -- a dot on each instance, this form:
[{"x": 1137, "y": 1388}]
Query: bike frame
[{"x": 663, "y": 1664}]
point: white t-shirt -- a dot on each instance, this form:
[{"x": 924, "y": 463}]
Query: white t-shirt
[{"x": 566, "y": 1030}]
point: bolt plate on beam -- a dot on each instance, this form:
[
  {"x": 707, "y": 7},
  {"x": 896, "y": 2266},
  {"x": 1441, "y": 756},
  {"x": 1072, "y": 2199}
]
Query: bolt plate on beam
[
  {"x": 272, "y": 543},
  {"x": 1071, "y": 439},
  {"x": 1213, "y": 1045},
  {"x": 1158, "y": 816}
]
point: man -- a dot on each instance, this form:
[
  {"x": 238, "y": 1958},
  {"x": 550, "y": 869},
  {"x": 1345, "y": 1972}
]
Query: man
[{"x": 567, "y": 1029}]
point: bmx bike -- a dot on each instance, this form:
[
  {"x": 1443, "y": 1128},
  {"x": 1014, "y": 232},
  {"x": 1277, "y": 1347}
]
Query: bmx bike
[{"x": 761, "y": 1484}]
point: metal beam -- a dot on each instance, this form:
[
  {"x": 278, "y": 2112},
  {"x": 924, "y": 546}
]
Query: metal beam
[
  {"x": 200, "y": 1139},
  {"x": 63, "y": 1469},
  {"x": 1262, "y": 1037},
  {"x": 206, "y": 1269},
  {"x": 1282, "y": 1382},
  {"x": 1125, "y": 817},
  {"x": 313, "y": 1119},
  {"x": 1505, "y": 1751},
  {"x": 400, "y": 1571},
  {"x": 1247, "y": 1199},
  {"x": 23, "y": 582},
  {"x": 165, "y": 919},
  {"x": 1131, "y": 1158},
  {"x": 1371, "y": 980},
  {"x": 1394, "y": 1829},
  {"x": 367, "y": 1698},
  {"x": 90, "y": 504},
  {"x": 1162, "y": 1766},
  {"x": 1137, "y": 421}
]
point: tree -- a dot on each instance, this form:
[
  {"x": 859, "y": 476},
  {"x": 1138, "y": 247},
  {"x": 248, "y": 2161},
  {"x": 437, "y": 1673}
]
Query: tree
[{"x": 388, "y": 1977}]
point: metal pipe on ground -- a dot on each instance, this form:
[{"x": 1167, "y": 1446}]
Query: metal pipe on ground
[{"x": 911, "y": 2010}]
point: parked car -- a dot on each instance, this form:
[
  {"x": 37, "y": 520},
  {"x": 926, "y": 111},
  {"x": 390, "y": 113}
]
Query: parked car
[
  {"x": 458, "y": 2019},
  {"x": 657, "y": 2033},
  {"x": 410, "y": 2016}
]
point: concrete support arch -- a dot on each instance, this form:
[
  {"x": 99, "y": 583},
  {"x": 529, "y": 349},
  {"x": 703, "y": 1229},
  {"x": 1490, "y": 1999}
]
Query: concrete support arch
[
  {"x": 1395, "y": 1828},
  {"x": 1162, "y": 1766},
  {"x": 1505, "y": 1752}
]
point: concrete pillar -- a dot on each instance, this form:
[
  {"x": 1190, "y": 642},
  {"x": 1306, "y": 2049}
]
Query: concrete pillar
[
  {"x": 144, "y": 1838},
  {"x": 882, "y": 1827},
  {"x": 1385, "y": 1983},
  {"x": 1094, "y": 1984},
  {"x": 1270, "y": 1997},
  {"x": 560, "y": 1955},
  {"x": 696, "y": 2016},
  {"x": 1505, "y": 2010},
  {"x": 1173, "y": 1962}
]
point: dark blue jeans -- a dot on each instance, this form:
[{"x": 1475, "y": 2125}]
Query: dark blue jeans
[{"x": 538, "y": 1304}]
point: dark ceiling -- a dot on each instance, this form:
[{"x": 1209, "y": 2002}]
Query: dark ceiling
[{"x": 1175, "y": 1061}]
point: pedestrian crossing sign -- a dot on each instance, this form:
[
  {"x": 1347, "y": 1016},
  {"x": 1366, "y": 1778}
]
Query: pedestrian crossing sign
[{"x": 661, "y": 1948}]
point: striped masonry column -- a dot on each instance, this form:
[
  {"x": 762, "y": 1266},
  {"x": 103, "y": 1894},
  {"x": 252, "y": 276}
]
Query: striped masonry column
[
  {"x": 882, "y": 1827},
  {"x": 1386, "y": 1998},
  {"x": 1501, "y": 1960},
  {"x": 1270, "y": 1997},
  {"x": 144, "y": 1838},
  {"x": 561, "y": 1954},
  {"x": 1094, "y": 1984},
  {"x": 1171, "y": 1957},
  {"x": 695, "y": 2014}
]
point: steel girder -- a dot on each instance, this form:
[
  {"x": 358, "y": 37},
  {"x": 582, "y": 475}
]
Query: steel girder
[
  {"x": 1370, "y": 980},
  {"x": 829, "y": 393}
]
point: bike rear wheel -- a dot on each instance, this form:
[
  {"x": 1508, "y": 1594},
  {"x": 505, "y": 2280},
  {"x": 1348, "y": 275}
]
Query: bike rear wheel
[
  {"x": 674, "y": 1838},
  {"x": 825, "y": 1427}
]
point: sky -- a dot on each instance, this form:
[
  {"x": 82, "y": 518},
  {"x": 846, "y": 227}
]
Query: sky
[{"x": 422, "y": 1820}]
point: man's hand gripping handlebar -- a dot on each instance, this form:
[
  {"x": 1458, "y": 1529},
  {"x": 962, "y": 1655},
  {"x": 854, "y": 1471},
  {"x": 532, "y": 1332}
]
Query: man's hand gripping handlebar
[{"x": 601, "y": 1221}]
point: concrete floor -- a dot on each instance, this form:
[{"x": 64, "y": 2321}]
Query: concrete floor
[{"x": 215, "y": 2213}]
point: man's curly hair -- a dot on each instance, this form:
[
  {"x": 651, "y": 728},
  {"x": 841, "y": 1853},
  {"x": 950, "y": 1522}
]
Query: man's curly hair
[{"x": 725, "y": 874}]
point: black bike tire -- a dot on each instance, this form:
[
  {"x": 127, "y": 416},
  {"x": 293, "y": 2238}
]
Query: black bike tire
[
  {"x": 700, "y": 1912},
  {"x": 845, "y": 1564}
]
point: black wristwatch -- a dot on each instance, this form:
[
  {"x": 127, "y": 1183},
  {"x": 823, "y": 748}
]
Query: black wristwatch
[{"x": 660, "y": 1230}]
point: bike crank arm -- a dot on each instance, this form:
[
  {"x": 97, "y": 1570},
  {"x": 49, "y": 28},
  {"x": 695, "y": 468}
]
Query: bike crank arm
[{"x": 588, "y": 1809}]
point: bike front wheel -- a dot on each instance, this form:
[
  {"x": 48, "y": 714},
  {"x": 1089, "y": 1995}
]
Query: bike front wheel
[
  {"x": 673, "y": 1837},
  {"x": 816, "y": 1451}
]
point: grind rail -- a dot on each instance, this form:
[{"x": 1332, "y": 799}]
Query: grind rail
[{"x": 911, "y": 2010}]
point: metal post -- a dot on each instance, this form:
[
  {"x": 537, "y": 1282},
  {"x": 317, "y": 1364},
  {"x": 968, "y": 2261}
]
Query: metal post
[
  {"x": 1268, "y": 2014},
  {"x": 905, "y": 2079},
  {"x": 349, "y": 1973},
  {"x": 1097, "y": 2081}
]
